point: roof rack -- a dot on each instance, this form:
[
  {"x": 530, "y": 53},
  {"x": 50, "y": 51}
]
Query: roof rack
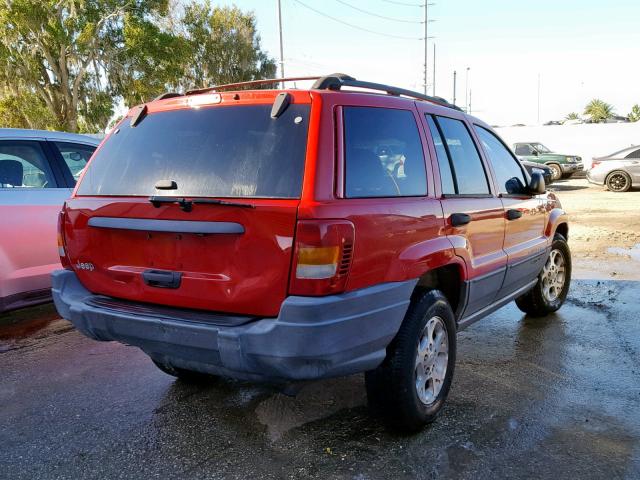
[
  {"x": 251, "y": 83},
  {"x": 335, "y": 81}
]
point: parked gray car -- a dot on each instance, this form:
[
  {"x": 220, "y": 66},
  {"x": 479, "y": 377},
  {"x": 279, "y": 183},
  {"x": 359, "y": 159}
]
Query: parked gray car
[
  {"x": 38, "y": 170},
  {"x": 619, "y": 171}
]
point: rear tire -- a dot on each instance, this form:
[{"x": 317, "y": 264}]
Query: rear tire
[
  {"x": 618, "y": 181},
  {"x": 187, "y": 376},
  {"x": 556, "y": 171},
  {"x": 412, "y": 384},
  {"x": 554, "y": 280}
]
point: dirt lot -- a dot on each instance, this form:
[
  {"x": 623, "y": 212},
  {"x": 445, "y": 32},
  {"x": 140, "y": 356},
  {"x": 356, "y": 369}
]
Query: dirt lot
[{"x": 604, "y": 233}]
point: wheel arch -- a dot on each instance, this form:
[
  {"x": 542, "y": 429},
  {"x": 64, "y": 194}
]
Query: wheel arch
[{"x": 446, "y": 278}]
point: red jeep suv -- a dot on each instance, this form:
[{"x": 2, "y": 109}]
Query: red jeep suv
[{"x": 287, "y": 235}]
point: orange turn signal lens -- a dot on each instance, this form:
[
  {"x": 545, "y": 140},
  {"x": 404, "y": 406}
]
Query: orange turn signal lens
[{"x": 317, "y": 262}]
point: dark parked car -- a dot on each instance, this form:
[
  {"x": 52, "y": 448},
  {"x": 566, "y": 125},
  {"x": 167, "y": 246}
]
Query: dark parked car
[
  {"x": 539, "y": 168},
  {"x": 260, "y": 234}
]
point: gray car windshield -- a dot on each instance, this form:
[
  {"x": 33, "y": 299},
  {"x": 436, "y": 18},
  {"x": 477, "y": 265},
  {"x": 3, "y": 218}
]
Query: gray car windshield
[{"x": 235, "y": 151}]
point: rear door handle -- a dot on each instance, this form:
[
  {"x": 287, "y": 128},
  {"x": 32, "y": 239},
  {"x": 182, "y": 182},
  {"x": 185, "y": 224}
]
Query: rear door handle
[
  {"x": 162, "y": 278},
  {"x": 459, "y": 219},
  {"x": 513, "y": 214}
]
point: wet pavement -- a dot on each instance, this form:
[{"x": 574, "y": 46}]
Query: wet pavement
[{"x": 531, "y": 398}]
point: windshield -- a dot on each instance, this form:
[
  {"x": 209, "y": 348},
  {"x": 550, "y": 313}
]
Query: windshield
[
  {"x": 222, "y": 151},
  {"x": 541, "y": 148}
]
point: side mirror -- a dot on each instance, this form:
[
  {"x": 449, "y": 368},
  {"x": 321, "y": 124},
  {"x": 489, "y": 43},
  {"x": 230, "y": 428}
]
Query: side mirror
[
  {"x": 534, "y": 153},
  {"x": 537, "y": 185}
]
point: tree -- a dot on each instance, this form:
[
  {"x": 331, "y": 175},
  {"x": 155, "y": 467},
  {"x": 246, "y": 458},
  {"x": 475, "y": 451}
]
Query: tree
[
  {"x": 224, "y": 46},
  {"x": 66, "y": 64},
  {"x": 634, "y": 115},
  {"x": 572, "y": 116},
  {"x": 598, "y": 110}
]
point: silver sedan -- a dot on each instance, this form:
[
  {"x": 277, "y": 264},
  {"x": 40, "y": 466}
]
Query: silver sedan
[{"x": 619, "y": 171}]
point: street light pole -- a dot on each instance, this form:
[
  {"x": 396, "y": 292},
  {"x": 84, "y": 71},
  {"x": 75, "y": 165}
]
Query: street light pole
[
  {"x": 281, "y": 48},
  {"x": 454, "y": 86},
  {"x": 434, "y": 69},
  {"x": 466, "y": 91}
]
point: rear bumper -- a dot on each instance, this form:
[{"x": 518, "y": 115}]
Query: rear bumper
[
  {"x": 312, "y": 337},
  {"x": 595, "y": 179}
]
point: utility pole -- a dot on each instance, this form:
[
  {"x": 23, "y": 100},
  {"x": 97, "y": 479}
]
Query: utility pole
[
  {"x": 426, "y": 37},
  {"x": 434, "y": 69},
  {"x": 466, "y": 91},
  {"x": 469, "y": 111},
  {"x": 281, "y": 48},
  {"x": 454, "y": 86}
]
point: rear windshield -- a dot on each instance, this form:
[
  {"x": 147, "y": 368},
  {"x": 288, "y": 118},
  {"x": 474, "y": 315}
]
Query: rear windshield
[{"x": 237, "y": 151}]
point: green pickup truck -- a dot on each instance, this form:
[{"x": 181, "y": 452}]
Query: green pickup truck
[{"x": 562, "y": 166}]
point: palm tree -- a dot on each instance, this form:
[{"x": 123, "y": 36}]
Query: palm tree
[
  {"x": 572, "y": 116},
  {"x": 598, "y": 110},
  {"x": 634, "y": 116}
]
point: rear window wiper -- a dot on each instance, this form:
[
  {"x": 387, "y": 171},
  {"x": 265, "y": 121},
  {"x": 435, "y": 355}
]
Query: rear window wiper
[{"x": 187, "y": 204}]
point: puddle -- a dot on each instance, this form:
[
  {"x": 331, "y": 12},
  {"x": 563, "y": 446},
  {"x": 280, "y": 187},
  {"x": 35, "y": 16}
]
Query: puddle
[{"x": 633, "y": 252}]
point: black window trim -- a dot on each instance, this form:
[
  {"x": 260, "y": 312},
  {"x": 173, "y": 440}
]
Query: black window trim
[
  {"x": 490, "y": 187},
  {"x": 343, "y": 158}
]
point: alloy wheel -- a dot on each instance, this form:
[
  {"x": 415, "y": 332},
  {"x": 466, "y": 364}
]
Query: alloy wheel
[
  {"x": 431, "y": 360},
  {"x": 553, "y": 276}
]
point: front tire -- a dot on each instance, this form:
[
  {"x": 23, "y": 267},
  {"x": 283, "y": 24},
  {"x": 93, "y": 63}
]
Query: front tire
[
  {"x": 556, "y": 171},
  {"x": 554, "y": 280},
  {"x": 618, "y": 181},
  {"x": 412, "y": 384}
]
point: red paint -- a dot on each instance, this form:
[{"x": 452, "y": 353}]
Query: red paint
[{"x": 394, "y": 239}]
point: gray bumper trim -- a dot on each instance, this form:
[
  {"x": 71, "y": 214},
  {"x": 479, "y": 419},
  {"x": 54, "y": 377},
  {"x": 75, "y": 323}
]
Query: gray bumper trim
[{"x": 312, "y": 337}]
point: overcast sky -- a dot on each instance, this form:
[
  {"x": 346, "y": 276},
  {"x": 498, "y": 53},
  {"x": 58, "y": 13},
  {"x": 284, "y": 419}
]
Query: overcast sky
[{"x": 580, "y": 48}]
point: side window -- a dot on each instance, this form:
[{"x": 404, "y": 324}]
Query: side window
[
  {"x": 383, "y": 153},
  {"x": 509, "y": 175},
  {"x": 468, "y": 171},
  {"x": 523, "y": 149},
  {"x": 446, "y": 177},
  {"x": 634, "y": 154},
  {"x": 75, "y": 156},
  {"x": 24, "y": 165}
]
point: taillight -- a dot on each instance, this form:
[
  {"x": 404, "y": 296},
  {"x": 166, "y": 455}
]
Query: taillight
[
  {"x": 62, "y": 251},
  {"x": 321, "y": 257},
  {"x": 595, "y": 163}
]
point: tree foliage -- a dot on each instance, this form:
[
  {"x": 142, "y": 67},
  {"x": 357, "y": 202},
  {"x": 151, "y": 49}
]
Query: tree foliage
[
  {"x": 634, "y": 115},
  {"x": 67, "y": 64},
  {"x": 598, "y": 110}
]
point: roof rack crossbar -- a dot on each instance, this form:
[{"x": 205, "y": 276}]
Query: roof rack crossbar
[
  {"x": 339, "y": 80},
  {"x": 251, "y": 83}
]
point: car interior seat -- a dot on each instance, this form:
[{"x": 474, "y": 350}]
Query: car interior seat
[
  {"x": 366, "y": 177},
  {"x": 11, "y": 172}
]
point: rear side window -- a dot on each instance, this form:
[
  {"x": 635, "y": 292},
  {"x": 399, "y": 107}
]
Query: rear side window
[
  {"x": 75, "y": 156},
  {"x": 23, "y": 164},
  {"x": 523, "y": 150},
  {"x": 224, "y": 151},
  {"x": 383, "y": 153},
  {"x": 469, "y": 176},
  {"x": 508, "y": 172},
  {"x": 634, "y": 154},
  {"x": 446, "y": 177}
]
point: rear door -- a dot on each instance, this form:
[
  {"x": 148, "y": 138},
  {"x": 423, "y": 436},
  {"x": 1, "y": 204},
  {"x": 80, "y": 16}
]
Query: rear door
[
  {"x": 193, "y": 207},
  {"x": 524, "y": 242},
  {"x": 474, "y": 215},
  {"x": 32, "y": 191}
]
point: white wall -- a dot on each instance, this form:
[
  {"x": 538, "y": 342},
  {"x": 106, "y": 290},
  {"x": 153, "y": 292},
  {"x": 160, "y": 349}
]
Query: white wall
[{"x": 586, "y": 140}]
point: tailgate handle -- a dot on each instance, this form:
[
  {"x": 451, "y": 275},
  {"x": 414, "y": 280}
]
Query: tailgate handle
[{"x": 162, "y": 278}]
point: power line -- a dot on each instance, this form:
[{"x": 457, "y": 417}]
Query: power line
[
  {"x": 405, "y": 4},
  {"x": 375, "y": 14},
  {"x": 355, "y": 26}
]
